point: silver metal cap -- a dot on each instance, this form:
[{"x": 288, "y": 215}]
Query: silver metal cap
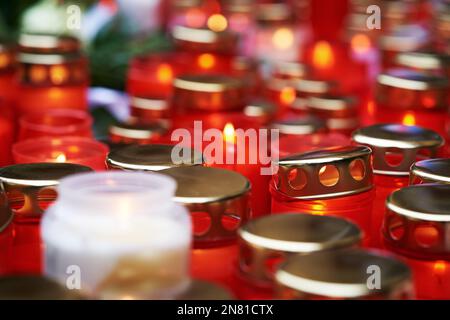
[{"x": 431, "y": 170}]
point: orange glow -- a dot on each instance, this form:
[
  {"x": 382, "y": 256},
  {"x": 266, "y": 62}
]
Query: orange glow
[
  {"x": 229, "y": 134},
  {"x": 38, "y": 73},
  {"x": 283, "y": 38},
  {"x": 287, "y": 95},
  {"x": 439, "y": 267},
  {"x": 4, "y": 60},
  {"x": 217, "y": 22},
  {"x": 428, "y": 101},
  {"x": 371, "y": 108},
  {"x": 58, "y": 74},
  {"x": 323, "y": 57},
  {"x": 360, "y": 43},
  {"x": 61, "y": 158},
  {"x": 206, "y": 61},
  {"x": 195, "y": 18},
  {"x": 55, "y": 93},
  {"x": 164, "y": 73},
  {"x": 409, "y": 119}
]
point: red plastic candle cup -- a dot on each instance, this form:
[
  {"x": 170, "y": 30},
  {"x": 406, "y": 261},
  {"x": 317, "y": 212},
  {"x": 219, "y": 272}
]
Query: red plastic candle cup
[
  {"x": 335, "y": 181},
  {"x": 218, "y": 201},
  {"x": 8, "y": 68},
  {"x": 53, "y": 73},
  {"x": 266, "y": 242},
  {"x": 413, "y": 98},
  {"x": 55, "y": 123},
  {"x": 430, "y": 171},
  {"x": 30, "y": 189},
  {"x": 140, "y": 133},
  {"x": 414, "y": 227},
  {"x": 77, "y": 150},
  {"x": 394, "y": 149},
  {"x": 342, "y": 275},
  {"x": 340, "y": 113},
  {"x": 6, "y": 235}
]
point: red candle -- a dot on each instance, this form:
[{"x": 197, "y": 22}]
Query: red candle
[
  {"x": 394, "y": 149},
  {"x": 413, "y": 98},
  {"x": 53, "y": 73},
  {"x": 78, "y": 150},
  {"x": 55, "y": 123},
  {"x": 30, "y": 190},
  {"x": 415, "y": 227},
  {"x": 265, "y": 243},
  {"x": 335, "y": 181}
]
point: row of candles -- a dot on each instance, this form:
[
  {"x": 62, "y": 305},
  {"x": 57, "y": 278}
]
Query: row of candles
[{"x": 328, "y": 168}]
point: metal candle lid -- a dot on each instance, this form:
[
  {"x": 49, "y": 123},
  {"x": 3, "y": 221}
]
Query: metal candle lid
[
  {"x": 216, "y": 197},
  {"x": 270, "y": 13},
  {"x": 28, "y": 183},
  {"x": 406, "y": 142},
  {"x": 134, "y": 131},
  {"x": 289, "y": 70},
  {"x": 418, "y": 219},
  {"x": 6, "y": 215},
  {"x": 260, "y": 108},
  {"x": 148, "y": 103},
  {"x": 34, "y": 288},
  {"x": 325, "y": 173},
  {"x": 299, "y": 125},
  {"x": 424, "y": 60},
  {"x": 203, "y": 290},
  {"x": 431, "y": 170},
  {"x": 209, "y": 92},
  {"x": 332, "y": 105},
  {"x": 151, "y": 157},
  {"x": 343, "y": 274},
  {"x": 407, "y": 89},
  {"x": 279, "y": 236},
  {"x": 204, "y": 40}
]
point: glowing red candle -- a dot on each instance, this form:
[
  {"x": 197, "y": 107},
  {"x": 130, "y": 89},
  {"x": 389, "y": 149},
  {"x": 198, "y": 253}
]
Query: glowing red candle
[
  {"x": 343, "y": 275},
  {"x": 334, "y": 181},
  {"x": 415, "y": 227},
  {"x": 78, "y": 150},
  {"x": 267, "y": 242},
  {"x": 394, "y": 149},
  {"x": 412, "y": 98},
  {"x": 218, "y": 201},
  {"x": 53, "y": 73},
  {"x": 56, "y": 123},
  {"x": 30, "y": 190}
]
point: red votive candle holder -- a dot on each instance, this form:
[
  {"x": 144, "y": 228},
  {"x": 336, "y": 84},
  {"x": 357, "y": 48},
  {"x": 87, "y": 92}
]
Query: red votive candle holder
[
  {"x": 414, "y": 227},
  {"x": 6, "y": 235},
  {"x": 55, "y": 123},
  {"x": 394, "y": 149},
  {"x": 218, "y": 201},
  {"x": 30, "y": 189},
  {"x": 266, "y": 242},
  {"x": 343, "y": 275},
  {"x": 53, "y": 73},
  {"x": 335, "y": 181},
  {"x": 413, "y": 98},
  {"x": 78, "y": 150}
]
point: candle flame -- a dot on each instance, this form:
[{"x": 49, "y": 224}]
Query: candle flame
[
  {"x": 38, "y": 73},
  {"x": 61, "y": 158},
  {"x": 217, "y": 23},
  {"x": 371, "y": 108},
  {"x": 165, "y": 73},
  {"x": 283, "y": 38},
  {"x": 59, "y": 74},
  {"x": 287, "y": 95},
  {"x": 360, "y": 43},
  {"x": 4, "y": 60},
  {"x": 206, "y": 61},
  {"x": 323, "y": 57},
  {"x": 439, "y": 266},
  {"x": 409, "y": 119},
  {"x": 229, "y": 133}
]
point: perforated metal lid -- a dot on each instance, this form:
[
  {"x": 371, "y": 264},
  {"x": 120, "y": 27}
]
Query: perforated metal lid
[{"x": 431, "y": 170}]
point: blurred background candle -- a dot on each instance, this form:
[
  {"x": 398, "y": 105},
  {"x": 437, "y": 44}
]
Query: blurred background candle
[
  {"x": 29, "y": 189},
  {"x": 218, "y": 201},
  {"x": 334, "y": 181},
  {"x": 415, "y": 227},
  {"x": 79, "y": 150},
  {"x": 55, "y": 123},
  {"x": 395, "y": 148},
  {"x": 53, "y": 73},
  {"x": 266, "y": 242},
  {"x": 123, "y": 231}
]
